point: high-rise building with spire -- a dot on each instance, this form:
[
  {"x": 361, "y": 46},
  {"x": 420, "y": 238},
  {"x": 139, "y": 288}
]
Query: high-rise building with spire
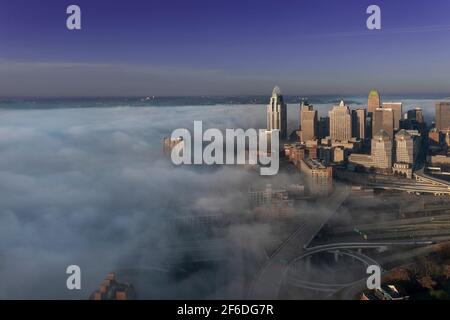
[{"x": 277, "y": 113}]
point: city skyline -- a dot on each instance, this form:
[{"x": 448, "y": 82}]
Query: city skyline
[{"x": 229, "y": 149}]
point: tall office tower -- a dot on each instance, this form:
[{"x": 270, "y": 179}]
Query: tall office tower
[
  {"x": 373, "y": 102},
  {"x": 396, "y": 108},
  {"x": 383, "y": 119},
  {"x": 415, "y": 114},
  {"x": 382, "y": 150},
  {"x": 308, "y": 121},
  {"x": 340, "y": 123},
  {"x": 359, "y": 123},
  {"x": 277, "y": 113},
  {"x": 443, "y": 115},
  {"x": 404, "y": 147},
  {"x": 323, "y": 127}
]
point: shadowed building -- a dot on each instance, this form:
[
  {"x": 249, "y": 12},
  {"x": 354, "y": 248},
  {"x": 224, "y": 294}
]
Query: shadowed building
[
  {"x": 277, "y": 113},
  {"x": 359, "y": 123},
  {"x": 397, "y": 109},
  {"x": 414, "y": 121},
  {"x": 323, "y": 127},
  {"x": 340, "y": 123},
  {"x": 443, "y": 115},
  {"x": 383, "y": 119},
  {"x": 415, "y": 114}
]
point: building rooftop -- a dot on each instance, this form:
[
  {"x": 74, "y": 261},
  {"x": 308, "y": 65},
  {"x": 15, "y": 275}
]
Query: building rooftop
[
  {"x": 374, "y": 93},
  {"x": 276, "y": 91},
  {"x": 403, "y": 134},
  {"x": 314, "y": 164},
  {"x": 381, "y": 135}
]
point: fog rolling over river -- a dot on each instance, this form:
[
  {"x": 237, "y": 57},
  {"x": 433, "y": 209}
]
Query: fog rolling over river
[{"x": 91, "y": 186}]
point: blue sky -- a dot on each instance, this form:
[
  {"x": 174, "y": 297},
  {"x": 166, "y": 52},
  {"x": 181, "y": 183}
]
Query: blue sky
[{"x": 177, "y": 47}]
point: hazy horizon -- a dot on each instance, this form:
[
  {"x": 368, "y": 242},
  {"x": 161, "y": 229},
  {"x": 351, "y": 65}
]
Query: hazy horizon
[{"x": 175, "y": 48}]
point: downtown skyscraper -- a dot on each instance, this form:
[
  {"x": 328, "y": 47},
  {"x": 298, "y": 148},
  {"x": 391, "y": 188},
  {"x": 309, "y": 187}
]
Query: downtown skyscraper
[
  {"x": 397, "y": 110},
  {"x": 383, "y": 118},
  {"x": 359, "y": 123},
  {"x": 443, "y": 115},
  {"x": 373, "y": 102},
  {"x": 308, "y": 121},
  {"x": 277, "y": 113},
  {"x": 340, "y": 123}
]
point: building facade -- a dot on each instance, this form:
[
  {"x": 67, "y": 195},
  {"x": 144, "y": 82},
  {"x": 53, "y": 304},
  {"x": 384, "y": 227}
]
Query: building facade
[
  {"x": 380, "y": 157},
  {"x": 323, "y": 127},
  {"x": 405, "y": 151},
  {"x": 373, "y": 101},
  {"x": 277, "y": 113},
  {"x": 308, "y": 122},
  {"x": 415, "y": 114},
  {"x": 340, "y": 123},
  {"x": 359, "y": 123},
  {"x": 319, "y": 177},
  {"x": 383, "y": 119},
  {"x": 443, "y": 115},
  {"x": 382, "y": 150},
  {"x": 397, "y": 110}
]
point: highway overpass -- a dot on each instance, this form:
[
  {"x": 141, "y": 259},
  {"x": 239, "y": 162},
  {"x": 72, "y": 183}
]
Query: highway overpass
[{"x": 267, "y": 282}]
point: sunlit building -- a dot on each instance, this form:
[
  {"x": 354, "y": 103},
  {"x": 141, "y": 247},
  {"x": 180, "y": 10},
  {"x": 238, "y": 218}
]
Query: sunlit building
[
  {"x": 277, "y": 113},
  {"x": 382, "y": 150},
  {"x": 308, "y": 121},
  {"x": 406, "y": 148},
  {"x": 319, "y": 177},
  {"x": 169, "y": 144},
  {"x": 373, "y": 101},
  {"x": 434, "y": 137},
  {"x": 380, "y": 158},
  {"x": 295, "y": 152},
  {"x": 340, "y": 123}
]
